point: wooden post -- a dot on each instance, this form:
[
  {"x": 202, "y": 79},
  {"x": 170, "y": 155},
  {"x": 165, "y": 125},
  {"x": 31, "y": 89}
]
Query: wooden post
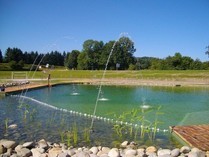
[{"x": 49, "y": 77}]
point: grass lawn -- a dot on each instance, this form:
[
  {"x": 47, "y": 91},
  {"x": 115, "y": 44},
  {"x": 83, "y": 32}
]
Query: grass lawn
[{"x": 143, "y": 74}]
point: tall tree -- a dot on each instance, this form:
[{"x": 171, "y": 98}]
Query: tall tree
[
  {"x": 177, "y": 61},
  {"x": 93, "y": 49},
  {"x": 123, "y": 53},
  {"x": 83, "y": 61},
  {"x": 1, "y": 57},
  {"x": 186, "y": 63},
  {"x": 104, "y": 56},
  {"x": 14, "y": 54},
  {"x": 196, "y": 65},
  {"x": 53, "y": 58},
  {"x": 71, "y": 60},
  {"x": 15, "y": 58},
  {"x": 207, "y": 52}
]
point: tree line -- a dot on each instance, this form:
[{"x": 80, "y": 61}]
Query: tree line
[
  {"x": 94, "y": 56},
  {"x": 176, "y": 62},
  {"x": 17, "y": 59}
]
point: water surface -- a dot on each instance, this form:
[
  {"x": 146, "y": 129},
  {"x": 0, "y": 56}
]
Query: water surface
[{"x": 180, "y": 106}]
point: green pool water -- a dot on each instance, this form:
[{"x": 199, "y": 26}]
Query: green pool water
[
  {"x": 175, "y": 102},
  {"x": 179, "y": 106}
]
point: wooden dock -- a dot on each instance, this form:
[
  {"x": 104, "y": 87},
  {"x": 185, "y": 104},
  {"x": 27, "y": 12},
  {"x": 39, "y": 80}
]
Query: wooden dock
[
  {"x": 193, "y": 135},
  {"x": 24, "y": 87}
]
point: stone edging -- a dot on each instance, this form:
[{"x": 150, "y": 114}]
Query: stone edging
[{"x": 43, "y": 148}]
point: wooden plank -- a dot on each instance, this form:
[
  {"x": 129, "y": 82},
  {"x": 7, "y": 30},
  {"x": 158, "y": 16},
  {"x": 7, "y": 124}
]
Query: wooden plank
[{"x": 194, "y": 135}]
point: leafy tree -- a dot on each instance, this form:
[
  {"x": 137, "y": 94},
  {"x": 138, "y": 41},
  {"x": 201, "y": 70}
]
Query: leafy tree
[
  {"x": 1, "y": 57},
  {"x": 123, "y": 53},
  {"x": 196, "y": 65},
  {"x": 186, "y": 62},
  {"x": 144, "y": 62},
  {"x": 159, "y": 64},
  {"x": 71, "y": 60},
  {"x": 16, "y": 65},
  {"x": 132, "y": 67},
  {"x": 83, "y": 61},
  {"x": 205, "y": 65},
  {"x": 107, "y": 48},
  {"x": 93, "y": 49},
  {"x": 173, "y": 62},
  {"x": 177, "y": 61}
]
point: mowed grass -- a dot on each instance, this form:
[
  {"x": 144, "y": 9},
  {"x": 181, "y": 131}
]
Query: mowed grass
[{"x": 97, "y": 74}]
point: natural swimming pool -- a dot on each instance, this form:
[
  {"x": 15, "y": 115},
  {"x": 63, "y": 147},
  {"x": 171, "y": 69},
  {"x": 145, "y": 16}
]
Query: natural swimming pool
[{"x": 178, "y": 106}]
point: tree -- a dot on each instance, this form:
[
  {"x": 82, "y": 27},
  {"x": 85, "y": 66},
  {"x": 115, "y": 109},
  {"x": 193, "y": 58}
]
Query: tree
[
  {"x": 16, "y": 65},
  {"x": 177, "y": 61},
  {"x": 15, "y": 58},
  {"x": 207, "y": 52},
  {"x": 1, "y": 57},
  {"x": 53, "y": 58},
  {"x": 196, "y": 65},
  {"x": 123, "y": 53},
  {"x": 72, "y": 59},
  {"x": 93, "y": 49},
  {"x": 186, "y": 62},
  {"x": 104, "y": 56},
  {"x": 83, "y": 61},
  {"x": 205, "y": 65},
  {"x": 30, "y": 57},
  {"x": 14, "y": 54},
  {"x": 144, "y": 62}
]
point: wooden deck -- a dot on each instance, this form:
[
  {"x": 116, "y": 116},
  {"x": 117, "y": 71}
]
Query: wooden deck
[
  {"x": 23, "y": 87},
  {"x": 194, "y": 135}
]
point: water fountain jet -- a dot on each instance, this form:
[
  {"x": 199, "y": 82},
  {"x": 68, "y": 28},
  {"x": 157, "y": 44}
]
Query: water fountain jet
[
  {"x": 100, "y": 86},
  {"x": 74, "y": 93}
]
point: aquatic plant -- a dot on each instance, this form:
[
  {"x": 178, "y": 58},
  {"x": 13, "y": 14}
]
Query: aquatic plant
[
  {"x": 86, "y": 135},
  {"x": 68, "y": 135},
  {"x": 119, "y": 127},
  {"x": 138, "y": 125},
  {"x": 27, "y": 111},
  {"x": 33, "y": 114},
  {"x": 6, "y": 123},
  {"x": 75, "y": 134},
  {"x": 156, "y": 121},
  {"x": 62, "y": 136}
]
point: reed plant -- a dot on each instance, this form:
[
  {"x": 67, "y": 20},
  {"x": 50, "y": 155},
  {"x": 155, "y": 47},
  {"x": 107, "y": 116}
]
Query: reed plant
[
  {"x": 72, "y": 136},
  {"x": 33, "y": 114},
  {"x": 62, "y": 136},
  {"x": 68, "y": 135},
  {"x": 156, "y": 121},
  {"x": 138, "y": 125},
  {"x": 6, "y": 123},
  {"x": 86, "y": 135},
  {"x": 27, "y": 111},
  {"x": 75, "y": 134},
  {"x": 51, "y": 119}
]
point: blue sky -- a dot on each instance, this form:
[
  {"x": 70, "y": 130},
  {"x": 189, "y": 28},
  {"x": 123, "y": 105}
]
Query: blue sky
[{"x": 158, "y": 28}]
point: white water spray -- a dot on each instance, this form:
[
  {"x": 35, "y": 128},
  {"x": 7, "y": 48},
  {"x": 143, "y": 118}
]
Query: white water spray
[
  {"x": 21, "y": 99},
  {"x": 100, "y": 86}
]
